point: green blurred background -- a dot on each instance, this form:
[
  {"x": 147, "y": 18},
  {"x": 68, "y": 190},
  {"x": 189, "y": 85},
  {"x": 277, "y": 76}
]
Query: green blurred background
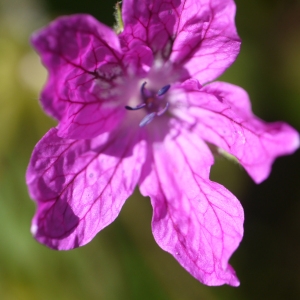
[{"x": 123, "y": 261}]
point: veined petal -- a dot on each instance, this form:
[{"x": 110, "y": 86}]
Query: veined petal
[
  {"x": 80, "y": 185},
  {"x": 221, "y": 114},
  {"x": 84, "y": 61},
  {"x": 199, "y": 35},
  {"x": 206, "y": 40},
  {"x": 151, "y": 23},
  {"x": 196, "y": 220}
]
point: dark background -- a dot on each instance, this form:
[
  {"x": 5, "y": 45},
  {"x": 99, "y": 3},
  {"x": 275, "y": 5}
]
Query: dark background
[{"x": 123, "y": 261}]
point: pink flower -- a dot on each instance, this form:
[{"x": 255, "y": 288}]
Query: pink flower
[{"x": 136, "y": 109}]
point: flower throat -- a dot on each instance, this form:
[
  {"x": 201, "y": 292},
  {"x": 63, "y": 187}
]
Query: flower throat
[{"x": 154, "y": 103}]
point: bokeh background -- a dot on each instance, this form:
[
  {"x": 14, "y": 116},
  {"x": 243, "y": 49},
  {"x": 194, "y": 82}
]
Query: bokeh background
[{"x": 123, "y": 261}]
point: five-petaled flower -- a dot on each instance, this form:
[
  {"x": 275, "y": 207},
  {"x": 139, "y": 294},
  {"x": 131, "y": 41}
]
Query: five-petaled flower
[{"x": 137, "y": 108}]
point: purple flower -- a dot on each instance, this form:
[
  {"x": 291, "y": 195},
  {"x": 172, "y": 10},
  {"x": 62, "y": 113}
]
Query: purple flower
[{"x": 136, "y": 109}]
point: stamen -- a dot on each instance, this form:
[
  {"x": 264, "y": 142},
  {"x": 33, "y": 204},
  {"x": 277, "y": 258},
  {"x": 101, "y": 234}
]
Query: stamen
[
  {"x": 145, "y": 93},
  {"x": 147, "y": 119},
  {"x": 163, "y": 90},
  {"x": 137, "y": 107},
  {"x": 143, "y": 87},
  {"x": 153, "y": 103},
  {"x": 159, "y": 113}
]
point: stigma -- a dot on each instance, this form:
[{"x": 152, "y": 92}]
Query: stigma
[{"x": 154, "y": 103}]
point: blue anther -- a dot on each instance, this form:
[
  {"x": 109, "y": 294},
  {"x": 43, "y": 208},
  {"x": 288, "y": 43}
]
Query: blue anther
[
  {"x": 161, "y": 112},
  {"x": 163, "y": 90},
  {"x": 153, "y": 103},
  {"x": 145, "y": 92},
  {"x": 137, "y": 107},
  {"x": 147, "y": 119},
  {"x": 143, "y": 87}
]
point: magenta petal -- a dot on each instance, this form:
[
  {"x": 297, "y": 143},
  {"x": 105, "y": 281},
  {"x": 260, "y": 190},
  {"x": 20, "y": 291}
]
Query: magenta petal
[
  {"x": 149, "y": 22},
  {"x": 80, "y": 185},
  {"x": 199, "y": 35},
  {"x": 138, "y": 60},
  {"x": 196, "y": 220},
  {"x": 83, "y": 58},
  {"x": 206, "y": 40},
  {"x": 221, "y": 114}
]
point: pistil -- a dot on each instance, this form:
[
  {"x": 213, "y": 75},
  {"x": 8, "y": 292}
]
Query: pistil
[{"x": 154, "y": 103}]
